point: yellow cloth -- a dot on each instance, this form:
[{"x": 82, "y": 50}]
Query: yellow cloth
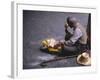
[{"x": 50, "y": 45}]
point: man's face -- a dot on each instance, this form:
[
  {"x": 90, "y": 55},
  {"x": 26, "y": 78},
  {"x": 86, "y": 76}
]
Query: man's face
[{"x": 70, "y": 24}]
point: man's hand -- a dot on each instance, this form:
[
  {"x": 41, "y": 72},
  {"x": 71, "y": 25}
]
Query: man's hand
[
  {"x": 62, "y": 41},
  {"x": 68, "y": 43},
  {"x": 66, "y": 25}
]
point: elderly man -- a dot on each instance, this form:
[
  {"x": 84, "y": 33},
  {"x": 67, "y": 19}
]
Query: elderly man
[{"x": 75, "y": 40}]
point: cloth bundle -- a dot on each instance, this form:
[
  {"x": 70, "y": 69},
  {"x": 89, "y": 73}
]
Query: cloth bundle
[{"x": 51, "y": 44}]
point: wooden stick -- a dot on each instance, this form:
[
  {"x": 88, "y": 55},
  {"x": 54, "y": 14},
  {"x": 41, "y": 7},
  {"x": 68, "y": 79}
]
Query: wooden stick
[{"x": 55, "y": 59}]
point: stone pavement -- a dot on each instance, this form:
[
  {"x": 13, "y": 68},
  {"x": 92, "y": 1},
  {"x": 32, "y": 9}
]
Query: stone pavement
[{"x": 38, "y": 25}]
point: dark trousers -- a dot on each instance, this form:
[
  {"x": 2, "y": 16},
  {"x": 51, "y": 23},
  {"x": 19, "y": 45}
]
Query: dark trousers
[{"x": 73, "y": 49}]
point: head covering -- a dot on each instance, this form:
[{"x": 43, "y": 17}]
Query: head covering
[
  {"x": 84, "y": 59},
  {"x": 72, "y": 20}
]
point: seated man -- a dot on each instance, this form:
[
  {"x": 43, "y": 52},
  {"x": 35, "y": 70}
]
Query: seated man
[{"x": 75, "y": 40}]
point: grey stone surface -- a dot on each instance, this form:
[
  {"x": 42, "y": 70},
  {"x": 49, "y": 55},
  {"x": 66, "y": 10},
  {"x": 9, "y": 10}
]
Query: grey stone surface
[{"x": 38, "y": 25}]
